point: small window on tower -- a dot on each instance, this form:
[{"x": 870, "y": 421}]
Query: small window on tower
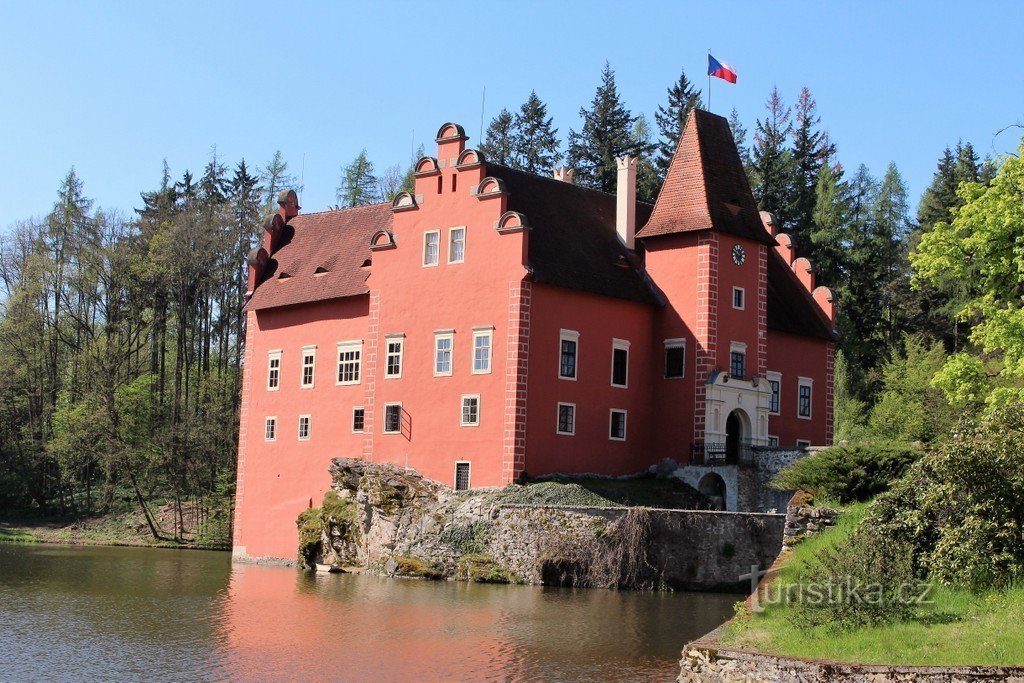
[
  {"x": 738, "y": 364},
  {"x": 737, "y": 298},
  {"x": 675, "y": 358}
]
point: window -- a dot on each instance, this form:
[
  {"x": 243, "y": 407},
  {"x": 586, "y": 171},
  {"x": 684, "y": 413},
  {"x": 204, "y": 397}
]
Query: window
[
  {"x": 566, "y": 418},
  {"x": 803, "y": 406},
  {"x": 431, "y": 247},
  {"x": 303, "y": 427},
  {"x": 462, "y": 476},
  {"x": 358, "y": 419},
  {"x": 443, "y": 354},
  {"x": 270, "y": 429},
  {"x": 482, "y": 352},
  {"x": 737, "y": 297},
  {"x": 737, "y": 364},
  {"x": 308, "y": 366},
  {"x": 803, "y": 443},
  {"x": 393, "y": 361},
  {"x": 568, "y": 345},
  {"x": 274, "y": 371},
  {"x": 775, "y": 384},
  {"x": 620, "y": 363},
  {"x": 392, "y": 418},
  {"x": 617, "y": 426},
  {"x": 350, "y": 356},
  {"x": 773, "y": 440},
  {"x": 470, "y": 411},
  {"x": 675, "y": 358},
  {"x": 456, "y": 245}
]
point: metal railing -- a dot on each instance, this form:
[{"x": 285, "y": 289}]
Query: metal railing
[{"x": 722, "y": 453}]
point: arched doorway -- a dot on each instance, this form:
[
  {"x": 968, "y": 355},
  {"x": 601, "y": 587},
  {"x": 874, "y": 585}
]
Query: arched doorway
[
  {"x": 736, "y": 432},
  {"x": 712, "y": 486}
]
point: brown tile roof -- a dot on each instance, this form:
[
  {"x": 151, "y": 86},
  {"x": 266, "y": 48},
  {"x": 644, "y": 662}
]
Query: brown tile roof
[
  {"x": 706, "y": 187},
  {"x": 573, "y": 242},
  {"x": 790, "y": 308},
  {"x": 337, "y": 242}
]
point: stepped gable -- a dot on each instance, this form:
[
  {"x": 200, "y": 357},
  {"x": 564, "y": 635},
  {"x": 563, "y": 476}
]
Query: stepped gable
[
  {"x": 572, "y": 241},
  {"x": 324, "y": 259},
  {"x": 706, "y": 187}
]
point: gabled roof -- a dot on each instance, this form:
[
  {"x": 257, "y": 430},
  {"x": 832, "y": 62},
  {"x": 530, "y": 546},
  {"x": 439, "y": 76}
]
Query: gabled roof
[
  {"x": 336, "y": 243},
  {"x": 706, "y": 187},
  {"x": 573, "y": 242},
  {"x": 790, "y": 308}
]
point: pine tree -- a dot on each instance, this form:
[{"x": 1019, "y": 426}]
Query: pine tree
[
  {"x": 891, "y": 226},
  {"x": 274, "y": 178},
  {"x": 499, "y": 140},
  {"x": 940, "y": 196},
  {"x": 772, "y": 162},
  {"x": 829, "y": 235},
  {"x": 811, "y": 151},
  {"x": 409, "y": 180},
  {"x": 607, "y": 133},
  {"x": 739, "y": 134},
  {"x": 358, "y": 183},
  {"x": 534, "y": 139},
  {"x": 683, "y": 96},
  {"x": 648, "y": 181}
]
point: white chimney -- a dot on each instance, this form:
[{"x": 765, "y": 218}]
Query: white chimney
[
  {"x": 565, "y": 174},
  {"x": 625, "y": 200}
]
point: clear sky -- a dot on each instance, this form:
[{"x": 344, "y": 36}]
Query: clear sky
[{"x": 113, "y": 88}]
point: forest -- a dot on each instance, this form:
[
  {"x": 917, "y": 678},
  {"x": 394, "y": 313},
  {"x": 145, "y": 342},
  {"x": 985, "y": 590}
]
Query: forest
[{"x": 121, "y": 335}]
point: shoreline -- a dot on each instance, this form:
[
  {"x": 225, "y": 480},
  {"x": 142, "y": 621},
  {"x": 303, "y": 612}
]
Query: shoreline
[{"x": 112, "y": 530}]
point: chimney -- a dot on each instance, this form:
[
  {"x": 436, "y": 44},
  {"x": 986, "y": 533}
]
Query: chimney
[
  {"x": 625, "y": 200},
  {"x": 804, "y": 273},
  {"x": 565, "y": 174},
  {"x": 768, "y": 220}
]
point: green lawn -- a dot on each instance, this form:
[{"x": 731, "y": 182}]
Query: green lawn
[{"x": 958, "y": 628}]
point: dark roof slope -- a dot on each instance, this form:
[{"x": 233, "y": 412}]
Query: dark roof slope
[
  {"x": 790, "y": 308},
  {"x": 706, "y": 187},
  {"x": 572, "y": 240},
  {"x": 334, "y": 242}
]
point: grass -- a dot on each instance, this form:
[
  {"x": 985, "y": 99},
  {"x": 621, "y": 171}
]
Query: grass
[
  {"x": 957, "y": 628},
  {"x": 647, "y": 491}
]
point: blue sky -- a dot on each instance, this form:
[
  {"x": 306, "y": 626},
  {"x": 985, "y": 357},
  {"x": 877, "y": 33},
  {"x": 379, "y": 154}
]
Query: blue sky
[{"x": 113, "y": 88}]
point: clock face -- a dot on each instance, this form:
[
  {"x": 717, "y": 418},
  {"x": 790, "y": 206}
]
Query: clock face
[{"x": 738, "y": 255}]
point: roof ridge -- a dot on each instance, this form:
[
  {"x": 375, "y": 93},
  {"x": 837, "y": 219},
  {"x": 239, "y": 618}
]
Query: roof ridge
[
  {"x": 556, "y": 180},
  {"x": 343, "y": 209}
]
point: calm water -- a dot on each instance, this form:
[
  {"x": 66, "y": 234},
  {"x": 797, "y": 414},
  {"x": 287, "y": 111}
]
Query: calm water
[{"x": 75, "y": 613}]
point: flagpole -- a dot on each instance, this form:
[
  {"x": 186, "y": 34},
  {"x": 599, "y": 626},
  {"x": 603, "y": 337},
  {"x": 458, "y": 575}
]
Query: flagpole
[{"x": 709, "y": 81}]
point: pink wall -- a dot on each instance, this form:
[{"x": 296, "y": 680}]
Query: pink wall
[{"x": 797, "y": 357}]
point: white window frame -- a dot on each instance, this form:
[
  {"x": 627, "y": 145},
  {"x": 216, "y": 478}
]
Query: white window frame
[
  {"x": 482, "y": 333},
  {"x": 558, "y": 419},
  {"x": 809, "y": 383},
  {"x": 394, "y": 339},
  {"x": 448, "y": 336},
  {"x": 451, "y": 243},
  {"x": 271, "y": 357},
  {"x": 469, "y": 476},
  {"x": 437, "y": 256},
  {"x": 803, "y": 443},
  {"x": 385, "y": 429},
  {"x": 743, "y": 298},
  {"x": 674, "y": 343},
  {"x": 773, "y": 440},
  {"x": 573, "y": 336},
  {"x": 309, "y": 427},
  {"x": 345, "y": 347},
  {"x": 307, "y": 351},
  {"x": 618, "y": 345},
  {"x": 625, "y": 423},
  {"x": 462, "y": 410},
  {"x": 266, "y": 423},
  {"x": 772, "y": 376},
  {"x": 354, "y": 430}
]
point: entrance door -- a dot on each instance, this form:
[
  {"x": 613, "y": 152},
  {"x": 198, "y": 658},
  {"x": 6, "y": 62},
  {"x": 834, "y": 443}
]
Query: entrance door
[{"x": 733, "y": 435}]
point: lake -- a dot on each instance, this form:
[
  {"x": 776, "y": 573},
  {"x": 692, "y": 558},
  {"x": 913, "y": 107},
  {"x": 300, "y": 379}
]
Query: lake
[{"x": 94, "y": 613}]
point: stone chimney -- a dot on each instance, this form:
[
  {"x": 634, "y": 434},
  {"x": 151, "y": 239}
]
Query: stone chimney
[
  {"x": 625, "y": 200},
  {"x": 565, "y": 174}
]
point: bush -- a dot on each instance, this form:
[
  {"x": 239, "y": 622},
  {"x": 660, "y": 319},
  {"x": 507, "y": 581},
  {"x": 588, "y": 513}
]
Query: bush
[{"x": 851, "y": 473}]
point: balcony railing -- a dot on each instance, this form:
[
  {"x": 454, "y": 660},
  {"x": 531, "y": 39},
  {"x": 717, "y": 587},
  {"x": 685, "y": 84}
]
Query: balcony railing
[{"x": 721, "y": 453}]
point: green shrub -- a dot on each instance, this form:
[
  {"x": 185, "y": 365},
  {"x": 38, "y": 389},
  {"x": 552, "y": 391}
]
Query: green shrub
[
  {"x": 850, "y": 473},
  {"x": 413, "y": 566}
]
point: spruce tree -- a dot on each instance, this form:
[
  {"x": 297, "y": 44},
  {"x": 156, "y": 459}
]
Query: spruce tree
[
  {"x": 772, "y": 162},
  {"x": 499, "y": 143},
  {"x": 648, "y": 180},
  {"x": 683, "y": 96},
  {"x": 811, "y": 150},
  {"x": 829, "y": 236},
  {"x": 358, "y": 183},
  {"x": 534, "y": 138},
  {"x": 607, "y": 133},
  {"x": 275, "y": 177},
  {"x": 739, "y": 134},
  {"x": 891, "y": 225},
  {"x": 940, "y": 196}
]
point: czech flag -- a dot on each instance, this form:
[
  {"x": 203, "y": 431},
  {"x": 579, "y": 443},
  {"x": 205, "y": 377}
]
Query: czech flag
[{"x": 721, "y": 70}]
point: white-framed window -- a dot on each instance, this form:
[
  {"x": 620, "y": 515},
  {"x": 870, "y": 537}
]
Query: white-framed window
[
  {"x": 738, "y": 360},
  {"x": 304, "y": 423},
  {"x": 620, "y": 363},
  {"x": 394, "y": 347},
  {"x": 308, "y": 366},
  {"x": 617, "y": 425},
  {"x": 350, "y": 361},
  {"x": 462, "y": 472},
  {"x": 675, "y": 358},
  {"x": 803, "y": 443},
  {"x": 775, "y": 384},
  {"x": 470, "y": 410},
  {"x": 431, "y": 248},
  {"x": 773, "y": 440},
  {"x": 482, "y": 340},
  {"x": 358, "y": 419},
  {"x": 457, "y": 245},
  {"x": 270, "y": 429},
  {"x": 805, "y": 392},
  {"x": 568, "y": 354},
  {"x": 443, "y": 349},
  {"x": 566, "y": 419},
  {"x": 273, "y": 371},
  {"x": 392, "y": 418},
  {"x": 738, "y": 298}
]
